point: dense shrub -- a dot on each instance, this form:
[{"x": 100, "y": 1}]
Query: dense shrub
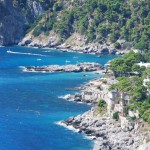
[
  {"x": 102, "y": 105},
  {"x": 117, "y": 45},
  {"x": 116, "y": 116},
  {"x": 126, "y": 65}
]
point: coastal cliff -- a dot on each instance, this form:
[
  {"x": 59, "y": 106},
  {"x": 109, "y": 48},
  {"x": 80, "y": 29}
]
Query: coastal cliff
[
  {"x": 15, "y": 19},
  {"x": 12, "y": 23},
  {"x": 92, "y": 25},
  {"x": 119, "y": 118},
  {"x": 108, "y": 133},
  {"x": 78, "y": 25}
]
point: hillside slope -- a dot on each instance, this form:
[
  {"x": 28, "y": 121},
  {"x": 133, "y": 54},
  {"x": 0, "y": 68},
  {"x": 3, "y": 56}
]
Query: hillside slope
[
  {"x": 16, "y": 16},
  {"x": 123, "y": 23},
  {"x": 76, "y": 24}
]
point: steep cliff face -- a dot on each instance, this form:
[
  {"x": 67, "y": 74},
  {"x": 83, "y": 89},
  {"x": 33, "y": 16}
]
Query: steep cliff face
[
  {"x": 12, "y": 23},
  {"x": 14, "y": 19},
  {"x": 32, "y": 9}
]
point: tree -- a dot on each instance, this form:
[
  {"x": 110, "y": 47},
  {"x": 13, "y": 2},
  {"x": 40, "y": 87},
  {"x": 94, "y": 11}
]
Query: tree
[
  {"x": 102, "y": 105},
  {"x": 135, "y": 68},
  {"x": 146, "y": 115},
  {"x": 117, "y": 45},
  {"x": 133, "y": 86},
  {"x": 116, "y": 116},
  {"x": 141, "y": 45}
]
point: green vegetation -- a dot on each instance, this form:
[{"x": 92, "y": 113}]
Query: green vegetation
[
  {"x": 139, "y": 100},
  {"x": 125, "y": 23},
  {"x": 143, "y": 108},
  {"x": 46, "y": 4},
  {"x": 117, "y": 45},
  {"x": 116, "y": 116},
  {"x": 99, "y": 20},
  {"x": 126, "y": 66},
  {"x": 102, "y": 105},
  {"x": 147, "y": 55},
  {"x": 133, "y": 84},
  {"x": 104, "y": 81}
]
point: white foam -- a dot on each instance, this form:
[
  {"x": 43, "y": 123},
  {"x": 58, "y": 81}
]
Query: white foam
[
  {"x": 68, "y": 127},
  {"x": 35, "y": 47},
  {"x": 39, "y": 59},
  {"x": 48, "y": 51},
  {"x": 24, "y": 69},
  {"x": 67, "y": 61},
  {"x": 60, "y": 123},
  {"x": 67, "y": 96},
  {"x": 11, "y": 52}
]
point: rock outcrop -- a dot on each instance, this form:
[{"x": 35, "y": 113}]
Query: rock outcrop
[
  {"x": 12, "y": 23},
  {"x": 81, "y": 67},
  {"x": 144, "y": 146},
  {"x": 76, "y": 43},
  {"x": 106, "y": 133},
  {"x": 14, "y": 20},
  {"x": 52, "y": 40}
]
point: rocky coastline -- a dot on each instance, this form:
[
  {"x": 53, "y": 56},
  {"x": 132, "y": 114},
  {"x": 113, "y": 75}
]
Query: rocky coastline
[
  {"x": 75, "y": 43},
  {"x": 87, "y": 49},
  {"x": 107, "y": 133},
  {"x": 81, "y": 67}
]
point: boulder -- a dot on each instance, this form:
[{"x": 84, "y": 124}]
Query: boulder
[{"x": 145, "y": 146}]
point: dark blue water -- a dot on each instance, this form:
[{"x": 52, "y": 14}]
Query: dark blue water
[{"x": 29, "y": 103}]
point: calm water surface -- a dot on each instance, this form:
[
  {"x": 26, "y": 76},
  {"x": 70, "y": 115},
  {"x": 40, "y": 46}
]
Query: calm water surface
[{"x": 29, "y": 103}]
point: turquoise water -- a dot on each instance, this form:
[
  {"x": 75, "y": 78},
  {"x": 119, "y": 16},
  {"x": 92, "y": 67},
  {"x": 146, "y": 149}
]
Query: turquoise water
[{"x": 29, "y": 103}]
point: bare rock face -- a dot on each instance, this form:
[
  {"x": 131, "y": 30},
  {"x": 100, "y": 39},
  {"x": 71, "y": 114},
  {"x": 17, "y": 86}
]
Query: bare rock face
[
  {"x": 13, "y": 20},
  {"x": 12, "y": 23},
  {"x": 34, "y": 8},
  {"x": 41, "y": 41},
  {"x": 106, "y": 133},
  {"x": 145, "y": 146}
]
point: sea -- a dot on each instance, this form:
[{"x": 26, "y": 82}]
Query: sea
[{"x": 30, "y": 106}]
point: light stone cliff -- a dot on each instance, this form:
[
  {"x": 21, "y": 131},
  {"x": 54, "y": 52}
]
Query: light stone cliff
[{"x": 13, "y": 20}]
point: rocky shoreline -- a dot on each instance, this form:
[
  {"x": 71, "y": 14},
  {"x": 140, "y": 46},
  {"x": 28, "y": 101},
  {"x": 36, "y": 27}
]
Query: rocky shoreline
[
  {"x": 88, "y": 94},
  {"x": 106, "y": 133},
  {"x": 76, "y": 43},
  {"x": 87, "y": 49},
  {"x": 81, "y": 67}
]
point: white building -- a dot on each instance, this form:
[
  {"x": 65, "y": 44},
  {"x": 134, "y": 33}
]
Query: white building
[{"x": 144, "y": 64}]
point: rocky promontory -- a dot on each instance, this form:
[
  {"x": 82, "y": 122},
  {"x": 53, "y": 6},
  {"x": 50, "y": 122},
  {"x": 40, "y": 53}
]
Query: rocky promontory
[
  {"x": 106, "y": 132},
  {"x": 81, "y": 67}
]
